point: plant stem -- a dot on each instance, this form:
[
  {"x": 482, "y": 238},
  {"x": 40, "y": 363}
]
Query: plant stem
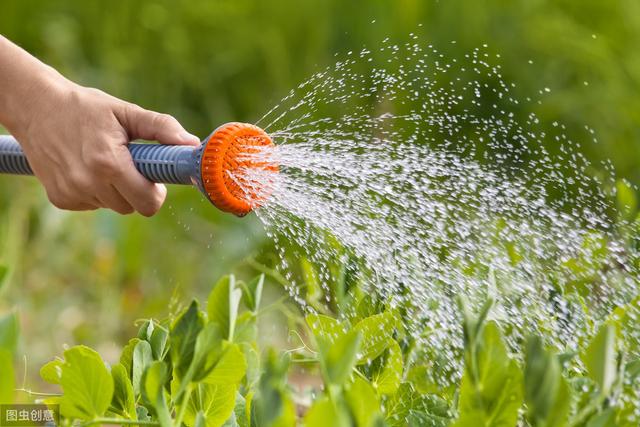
[
  {"x": 35, "y": 393},
  {"x": 183, "y": 405}
]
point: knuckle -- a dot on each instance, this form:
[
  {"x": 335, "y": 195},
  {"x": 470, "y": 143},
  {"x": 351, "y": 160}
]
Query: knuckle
[{"x": 79, "y": 182}]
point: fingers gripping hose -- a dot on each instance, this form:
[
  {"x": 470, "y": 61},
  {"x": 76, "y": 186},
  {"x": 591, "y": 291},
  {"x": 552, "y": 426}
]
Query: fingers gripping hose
[{"x": 210, "y": 167}]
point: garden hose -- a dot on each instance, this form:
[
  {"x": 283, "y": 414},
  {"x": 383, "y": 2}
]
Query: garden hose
[{"x": 210, "y": 167}]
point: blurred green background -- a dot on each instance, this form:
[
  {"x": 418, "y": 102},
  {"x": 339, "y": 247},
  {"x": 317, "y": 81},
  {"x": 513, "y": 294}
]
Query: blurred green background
[{"x": 85, "y": 277}]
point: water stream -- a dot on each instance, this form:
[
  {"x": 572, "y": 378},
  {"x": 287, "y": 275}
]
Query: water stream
[{"x": 437, "y": 177}]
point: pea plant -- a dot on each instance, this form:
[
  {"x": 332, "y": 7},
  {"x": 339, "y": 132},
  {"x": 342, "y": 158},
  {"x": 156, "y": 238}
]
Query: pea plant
[{"x": 204, "y": 367}]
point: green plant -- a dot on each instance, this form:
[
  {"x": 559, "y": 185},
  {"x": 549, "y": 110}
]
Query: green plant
[{"x": 204, "y": 367}]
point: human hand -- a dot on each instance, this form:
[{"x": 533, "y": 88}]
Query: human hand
[{"x": 75, "y": 139}]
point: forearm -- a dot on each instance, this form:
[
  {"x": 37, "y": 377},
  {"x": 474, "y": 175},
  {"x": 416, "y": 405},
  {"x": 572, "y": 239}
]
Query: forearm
[{"x": 23, "y": 81}]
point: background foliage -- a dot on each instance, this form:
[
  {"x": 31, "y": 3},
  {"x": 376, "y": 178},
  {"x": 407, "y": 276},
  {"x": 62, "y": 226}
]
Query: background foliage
[{"x": 83, "y": 278}]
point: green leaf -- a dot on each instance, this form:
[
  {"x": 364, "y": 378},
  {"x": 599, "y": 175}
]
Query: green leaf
[
  {"x": 230, "y": 368},
  {"x": 126, "y": 357},
  {"x": 145, "y": 330},
  {"x": 215, "y": 401},
  {"x": 324, "y": 413},
  {"x": 253, "y": 293},
  {"x": 223, "y": 303},
  {"x": 152, "y": 387},
  {"x": 200, "y": 420},
  {"x": 338, "y": 359},
  {"x": 51, "y": 371},
  {"x": 7, "y": 379},
  {"x": 123, "y": 401},
  {"x": 9, "y": 332},
  {"x": 363, "y": 402},
  {"x": 252, "y": 358},
  {"x": 86, "y": 383},
  {"x": 158, "y": 340},
  {"x": 491, "y": 388},
  {"x": 142, "y": 358},
  {"x": 312, "y": 283},
  {"x": 600, "y": 358},
  {"x": 325, "y": 327},
  {"x": 606, "y": 418},
  {"x": 206, "y": 354},
  {"x": 246, "y": 328},
  {"x": 183, "y": 336},
  {"x": 472, "y": 326},
  {"x": 271, "y": 405},
  {"x": 376, "y": 332},
  {"x": 546, "y": 392},
  {"x": 633, "y": 368},
  {"x": 388, "y": 379},
  {"x": 239, "y": 416},
  {"x": 407, "y": 404}
]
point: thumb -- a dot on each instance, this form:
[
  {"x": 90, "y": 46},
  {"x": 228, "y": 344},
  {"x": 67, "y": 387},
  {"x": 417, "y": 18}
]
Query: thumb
[{"x": 144, "y": 124}]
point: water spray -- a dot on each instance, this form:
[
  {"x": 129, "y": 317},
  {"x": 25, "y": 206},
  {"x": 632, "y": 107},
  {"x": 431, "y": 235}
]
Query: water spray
[{"x": 213, "y": 167}]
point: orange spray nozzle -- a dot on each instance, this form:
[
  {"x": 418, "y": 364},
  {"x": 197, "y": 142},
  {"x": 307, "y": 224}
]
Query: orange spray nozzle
[{"x": 225, "y": 154}]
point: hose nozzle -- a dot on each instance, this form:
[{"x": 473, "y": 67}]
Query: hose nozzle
[
  {"x": 225, "y": 155},
  {"x": 218, "y": 167}
]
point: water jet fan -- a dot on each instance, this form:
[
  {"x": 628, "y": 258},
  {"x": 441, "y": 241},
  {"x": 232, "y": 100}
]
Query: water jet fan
[{"x": 215, "y": 167}]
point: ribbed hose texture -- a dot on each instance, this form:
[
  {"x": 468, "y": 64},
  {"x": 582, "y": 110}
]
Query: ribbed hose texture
[
  {"x": 12, "y": 159},
  {"x": 158, "y": 163}
]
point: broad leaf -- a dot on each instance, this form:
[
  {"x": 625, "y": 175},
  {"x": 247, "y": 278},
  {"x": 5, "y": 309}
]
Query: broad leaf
[
  {"x": 252, "y": 359},
  {"x": 546, "y": 392},
  {"x": 600, "y": 358},
  {"x": 339, "y": 358},
  {"x": 216, "y": 402},
  {"x": 183, "y": 337},
  {"x": 152, "y": 387},
  {"x": 229, "y": 369},
  {"x": 86, "y": 383},
  {"x": 51, "y": 371},
  {"x": 123, "y": 401},
  {"x": 271, "y": 405},
  {"x": 406, "y": 403},
  {"x": 126, "y": 357},
  {"x": 253, "y": 293},
  {"x": 206, "y": 354},
  {"x": 491, "y": 388},
  {"x": 363, "y": 403},
  {"x": 222, "y": 305},
  {"x": 239, "y": 416},
  {"x": 158, "y": 340},
  {"x": 388, "y": 379},
  {"x": 325, "y": 327},
  {"x": 376, "y": 332},
  {"x": 142, "y": 358},
  {"x": 325, "y": 413}
]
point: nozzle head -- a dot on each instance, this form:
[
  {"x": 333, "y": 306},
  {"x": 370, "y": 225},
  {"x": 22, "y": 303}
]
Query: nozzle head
[{"x": 225, "y": 153}]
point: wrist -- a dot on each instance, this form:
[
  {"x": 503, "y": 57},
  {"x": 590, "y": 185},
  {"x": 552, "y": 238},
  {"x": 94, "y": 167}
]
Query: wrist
[{"x": 28, "y": 87}]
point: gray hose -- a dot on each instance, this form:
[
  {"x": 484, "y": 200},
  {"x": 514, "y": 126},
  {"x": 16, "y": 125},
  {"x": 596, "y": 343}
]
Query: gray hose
[{"x": 169, "y": 164}]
